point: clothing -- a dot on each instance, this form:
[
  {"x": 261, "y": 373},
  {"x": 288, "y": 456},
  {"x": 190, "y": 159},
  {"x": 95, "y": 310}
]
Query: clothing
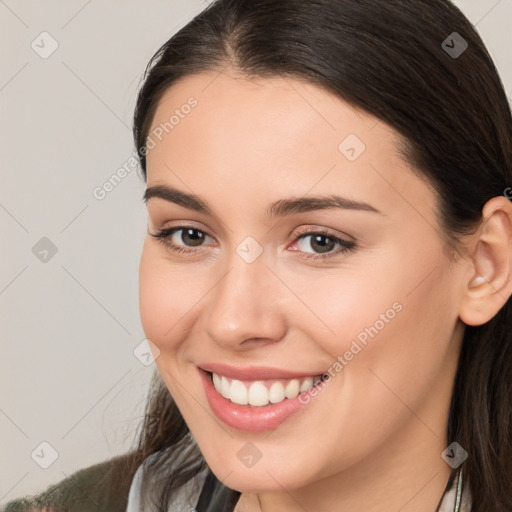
[
  {"x": 202, "y": 493},
  {"x": 185, "y": 498},
  {"x": 97, "y": 489},
  {"x": 452, "y": 496}
]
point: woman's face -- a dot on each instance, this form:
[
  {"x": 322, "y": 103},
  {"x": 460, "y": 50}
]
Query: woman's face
[{"x": 308, "y": 247}]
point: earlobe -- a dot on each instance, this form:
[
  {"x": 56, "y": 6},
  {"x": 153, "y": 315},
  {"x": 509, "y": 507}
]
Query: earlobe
[{"x": 489, "y": 278}]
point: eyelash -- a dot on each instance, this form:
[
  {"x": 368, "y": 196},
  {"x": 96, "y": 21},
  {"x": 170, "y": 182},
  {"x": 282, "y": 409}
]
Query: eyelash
[{"x": 163, "y": 236}]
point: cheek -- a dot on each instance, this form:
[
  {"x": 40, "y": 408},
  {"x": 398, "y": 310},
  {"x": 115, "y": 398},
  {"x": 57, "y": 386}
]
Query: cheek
[
  {"x": 164, "y": 298},
  {"x": 403, "y": 352},
  {"x": 399, "y": 300},
  {"x": 166, "y": 312},
  {"x": 396, "y": 320},
  {"x": 340, "y": 306}
]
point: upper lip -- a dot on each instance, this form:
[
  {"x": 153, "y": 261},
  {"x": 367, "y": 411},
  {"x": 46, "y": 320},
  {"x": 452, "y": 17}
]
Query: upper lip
[{"x": 254, "y": 372}]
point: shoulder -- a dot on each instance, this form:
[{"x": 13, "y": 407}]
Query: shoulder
[{"x": 101, "y": 487}]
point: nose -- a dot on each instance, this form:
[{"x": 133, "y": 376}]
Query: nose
[{"x": 245, "y": 307}]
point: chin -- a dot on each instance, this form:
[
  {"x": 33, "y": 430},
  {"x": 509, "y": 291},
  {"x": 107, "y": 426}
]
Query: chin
[{"x": 263, "y": 476}]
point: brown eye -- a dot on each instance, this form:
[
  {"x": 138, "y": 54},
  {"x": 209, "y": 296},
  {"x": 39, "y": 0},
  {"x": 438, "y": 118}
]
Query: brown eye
[
  {"x": 323, "y": 245},
  {"x": 191, "y": 237}
]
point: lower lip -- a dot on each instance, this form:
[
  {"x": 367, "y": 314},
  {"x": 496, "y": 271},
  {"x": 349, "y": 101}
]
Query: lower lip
[{"x": 245, "y": 417}]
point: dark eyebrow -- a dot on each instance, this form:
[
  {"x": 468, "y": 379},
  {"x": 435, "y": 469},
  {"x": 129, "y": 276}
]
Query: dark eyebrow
[{"x": 279, "y": 208}]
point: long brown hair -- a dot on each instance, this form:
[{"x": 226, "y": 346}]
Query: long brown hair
[{"x": 389, "y": 59}]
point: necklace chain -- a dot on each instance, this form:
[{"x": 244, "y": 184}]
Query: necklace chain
[{"x": 458, "y": 497}]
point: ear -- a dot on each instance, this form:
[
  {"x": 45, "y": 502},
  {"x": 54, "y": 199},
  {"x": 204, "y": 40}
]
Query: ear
[{"x": 488, "y": 280}]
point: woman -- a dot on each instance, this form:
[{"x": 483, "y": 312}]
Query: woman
[{"x": 326, "y": 278}]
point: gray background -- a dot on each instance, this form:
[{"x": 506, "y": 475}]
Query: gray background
[{"x": 70, "y": 320}]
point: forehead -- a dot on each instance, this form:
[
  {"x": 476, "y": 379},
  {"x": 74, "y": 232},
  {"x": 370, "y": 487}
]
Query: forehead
[
  {"x": 261, "y": 109},
  {"x": 278, "y": 136}
]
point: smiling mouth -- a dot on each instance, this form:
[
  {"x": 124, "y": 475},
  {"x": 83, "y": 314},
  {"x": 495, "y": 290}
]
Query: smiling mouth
[{"x": 262, "y": 392}]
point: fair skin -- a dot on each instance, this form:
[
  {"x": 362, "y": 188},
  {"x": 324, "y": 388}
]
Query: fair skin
[{"x": 372, "y": 439}]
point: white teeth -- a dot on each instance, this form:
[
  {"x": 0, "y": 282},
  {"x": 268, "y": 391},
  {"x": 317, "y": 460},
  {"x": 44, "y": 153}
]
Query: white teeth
[
  {"x": 276, "y": 393},
  {"x": 238, "y": 392},
  {"x": 258, "y": 393},
  {"x": 217, "y": 381},
  {"x": 225, "y": 388},
  {"x": 306, "y": 384},
  {"x": 292, "y": 389}
]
